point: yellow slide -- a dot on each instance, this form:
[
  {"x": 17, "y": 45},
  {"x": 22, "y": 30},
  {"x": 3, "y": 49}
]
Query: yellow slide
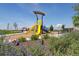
[
  {"x": 38, "y": 30},
  {"x": 33, "y": 28}
]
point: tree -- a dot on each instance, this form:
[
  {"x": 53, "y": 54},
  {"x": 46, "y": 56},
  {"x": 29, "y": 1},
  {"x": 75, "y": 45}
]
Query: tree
[
  {"x": 76, "y": 21},
  {"x": 15, "y": 26},
  {"x": 63, "y": 26},
  {"x": 8, "y": 26},
  {"x": 76, "y": 16},
  {"x": 51, "y": 28}
]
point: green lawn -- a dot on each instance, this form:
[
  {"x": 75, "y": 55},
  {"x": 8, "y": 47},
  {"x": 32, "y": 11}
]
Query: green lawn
[{"x": 9, "y": 31}]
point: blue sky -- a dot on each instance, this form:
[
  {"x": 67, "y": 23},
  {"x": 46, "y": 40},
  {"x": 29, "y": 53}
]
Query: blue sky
[{"x": 23, "y": 15}]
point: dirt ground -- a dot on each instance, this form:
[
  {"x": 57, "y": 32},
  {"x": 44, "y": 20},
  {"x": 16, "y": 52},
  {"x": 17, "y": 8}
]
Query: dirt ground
[{"x": 16, "y": 36}]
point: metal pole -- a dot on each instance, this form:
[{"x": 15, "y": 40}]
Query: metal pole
[
  {"x": 42, "y": 23},
  {"x": 37, "y": 18}
]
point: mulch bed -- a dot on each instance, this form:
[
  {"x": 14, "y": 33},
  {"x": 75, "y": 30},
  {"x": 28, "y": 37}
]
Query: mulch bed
[{"x": 35, "y": 43}]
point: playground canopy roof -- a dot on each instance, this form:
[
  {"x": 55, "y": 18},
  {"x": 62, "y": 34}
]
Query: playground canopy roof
[{"x": 39, "y": 12}]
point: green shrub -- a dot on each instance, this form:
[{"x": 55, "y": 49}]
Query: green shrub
[
  {"x": 37, "y": 51},
  {"x": 34, "y": 37},
  {"x": 46, "y": 36},
  {"x": 22, "y": 39},
  {"x": 1, "y": 40},
  {"x": 7, "y": 50},
  {"x": 65, "y": 45}
]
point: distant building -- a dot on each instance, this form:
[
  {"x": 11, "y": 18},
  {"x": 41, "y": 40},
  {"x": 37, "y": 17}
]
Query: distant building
[
  {"x": 68, "y": 29},
  {"x": 58, "y": 28}
]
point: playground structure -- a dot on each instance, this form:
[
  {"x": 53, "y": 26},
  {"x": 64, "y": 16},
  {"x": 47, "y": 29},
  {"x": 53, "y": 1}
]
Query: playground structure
[{"x": 36, "y": 29}]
